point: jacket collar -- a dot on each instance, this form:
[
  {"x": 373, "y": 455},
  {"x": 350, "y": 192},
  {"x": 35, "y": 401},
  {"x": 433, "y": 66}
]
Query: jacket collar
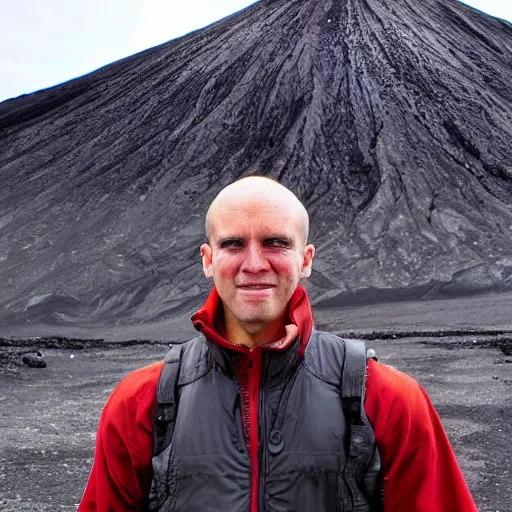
[{"x": 209, "y": 321}]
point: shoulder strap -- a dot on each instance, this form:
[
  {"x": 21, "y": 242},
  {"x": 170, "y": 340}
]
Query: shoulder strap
[
  {"x": 363, "y": 462},
  {"x": 167, "y": 400}
]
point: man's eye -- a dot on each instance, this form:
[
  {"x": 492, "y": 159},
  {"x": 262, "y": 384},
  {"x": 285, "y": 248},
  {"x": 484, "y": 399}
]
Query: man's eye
[
  {"x": 278, "y": 242},
  {"x": 226, "y": 244}
]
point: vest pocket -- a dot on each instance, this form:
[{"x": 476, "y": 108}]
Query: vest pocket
[
  {"x": 212, "y": 482},
  {"x": 303, "y": 483}
]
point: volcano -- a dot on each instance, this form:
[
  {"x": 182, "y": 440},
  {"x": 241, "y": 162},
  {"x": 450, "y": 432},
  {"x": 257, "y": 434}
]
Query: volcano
[{"x": 390, "y": 120}]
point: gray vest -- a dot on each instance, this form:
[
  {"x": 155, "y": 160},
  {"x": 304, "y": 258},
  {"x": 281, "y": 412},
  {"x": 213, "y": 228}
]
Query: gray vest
[{"x": 317, "y": 449}]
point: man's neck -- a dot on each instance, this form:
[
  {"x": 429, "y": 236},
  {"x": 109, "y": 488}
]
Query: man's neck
[{"x": 253, "y": 335}]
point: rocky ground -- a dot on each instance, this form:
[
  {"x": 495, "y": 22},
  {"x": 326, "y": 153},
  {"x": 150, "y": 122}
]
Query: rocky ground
[{"x": 459, "y": 350}]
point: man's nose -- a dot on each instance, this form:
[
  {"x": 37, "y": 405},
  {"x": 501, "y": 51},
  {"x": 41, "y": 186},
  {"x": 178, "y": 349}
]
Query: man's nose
[{"x": 254, "y": 260}]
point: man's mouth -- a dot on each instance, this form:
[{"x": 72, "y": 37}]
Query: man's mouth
[{"x": 256, "y": 286}]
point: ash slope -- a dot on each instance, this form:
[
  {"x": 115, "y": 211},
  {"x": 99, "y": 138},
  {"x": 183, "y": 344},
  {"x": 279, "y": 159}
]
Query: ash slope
[{"x": 392, "y": 121}]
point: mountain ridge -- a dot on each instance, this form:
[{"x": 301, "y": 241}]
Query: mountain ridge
[{"x": 390, "y": 121}]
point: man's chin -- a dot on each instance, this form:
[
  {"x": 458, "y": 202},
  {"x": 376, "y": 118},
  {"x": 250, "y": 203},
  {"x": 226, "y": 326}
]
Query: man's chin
[
  {"x": 256, "y": 324},
  {"x": 256, "y": 318}
]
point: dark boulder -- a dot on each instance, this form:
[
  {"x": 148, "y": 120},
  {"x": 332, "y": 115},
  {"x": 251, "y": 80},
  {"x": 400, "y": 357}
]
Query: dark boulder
[
  {"x": 506, "y": 348},
  {"x": 34, "y": 360}
]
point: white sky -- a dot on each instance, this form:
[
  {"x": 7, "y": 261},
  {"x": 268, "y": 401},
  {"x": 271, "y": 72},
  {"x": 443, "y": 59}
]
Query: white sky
[{"x": 46, "y": 42}]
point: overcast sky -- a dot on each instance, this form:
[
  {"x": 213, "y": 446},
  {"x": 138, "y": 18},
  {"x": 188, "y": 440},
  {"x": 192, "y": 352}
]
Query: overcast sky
[{"x": 46, "y": 42}]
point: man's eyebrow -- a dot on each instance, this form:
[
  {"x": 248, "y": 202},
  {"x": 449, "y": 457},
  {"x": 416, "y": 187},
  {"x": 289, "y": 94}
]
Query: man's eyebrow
[
  {"x": 226, "y": 239},
  {"x": 270, "y": 238},
  {"x": 279, "y": 238}
]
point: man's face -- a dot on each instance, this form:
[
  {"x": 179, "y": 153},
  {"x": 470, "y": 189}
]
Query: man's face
[{"x": 256, "y": 256}]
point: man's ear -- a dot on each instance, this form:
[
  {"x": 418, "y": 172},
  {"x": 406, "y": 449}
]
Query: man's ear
[
  {"x": 307, "y": 262},
  {"x": 206, "y": 256}
]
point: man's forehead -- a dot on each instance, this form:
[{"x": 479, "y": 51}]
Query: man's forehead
[
  {"x": 257, "y": 208},
  {"x": 248, "y": 201},
  {"x": 226, "y": 225},
  {"x": 261, "y": 233}
]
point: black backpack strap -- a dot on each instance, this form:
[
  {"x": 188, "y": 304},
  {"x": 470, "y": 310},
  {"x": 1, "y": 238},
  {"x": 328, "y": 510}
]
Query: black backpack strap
[
  {"x": 167, "y": 400},
  {"x": 361, "y": 472}
]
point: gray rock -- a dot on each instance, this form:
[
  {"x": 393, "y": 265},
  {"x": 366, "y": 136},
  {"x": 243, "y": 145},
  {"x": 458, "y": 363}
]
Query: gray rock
[{"x": 34, "y": 360}]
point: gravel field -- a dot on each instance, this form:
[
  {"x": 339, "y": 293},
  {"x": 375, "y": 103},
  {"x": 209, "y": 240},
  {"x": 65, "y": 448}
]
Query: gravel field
[{"x": 49, "y": 416}]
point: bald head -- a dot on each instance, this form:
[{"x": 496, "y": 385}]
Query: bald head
[{"x": 246, "y": 191}]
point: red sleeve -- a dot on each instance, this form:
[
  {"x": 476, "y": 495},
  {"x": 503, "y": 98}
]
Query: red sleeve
[
  {"x": 121, "y": 473},
  {"x": 419, "y": 467}
]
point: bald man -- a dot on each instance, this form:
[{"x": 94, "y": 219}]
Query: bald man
[{"x": 262, "y": 412}]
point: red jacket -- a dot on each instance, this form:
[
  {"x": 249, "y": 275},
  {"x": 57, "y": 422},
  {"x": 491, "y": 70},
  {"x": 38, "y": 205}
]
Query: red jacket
[{"x": 419, "y": 467}]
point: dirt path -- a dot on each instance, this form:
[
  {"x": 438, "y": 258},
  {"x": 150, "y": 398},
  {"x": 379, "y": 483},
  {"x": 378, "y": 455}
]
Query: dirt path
[{"x": 49, "y": 417}]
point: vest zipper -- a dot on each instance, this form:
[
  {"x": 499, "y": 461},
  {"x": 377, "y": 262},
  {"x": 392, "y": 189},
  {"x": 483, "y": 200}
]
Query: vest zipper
[
  {"x": 249, "y": 373},
  {"x": 263, "y": 451}
]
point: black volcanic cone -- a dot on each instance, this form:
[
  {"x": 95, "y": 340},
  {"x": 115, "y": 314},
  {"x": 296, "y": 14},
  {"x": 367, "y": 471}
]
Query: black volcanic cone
[{"x": 391, "y": 120}]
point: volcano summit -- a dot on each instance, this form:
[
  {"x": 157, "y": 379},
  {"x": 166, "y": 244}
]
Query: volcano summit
[{"x": 391, "y": 120}]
